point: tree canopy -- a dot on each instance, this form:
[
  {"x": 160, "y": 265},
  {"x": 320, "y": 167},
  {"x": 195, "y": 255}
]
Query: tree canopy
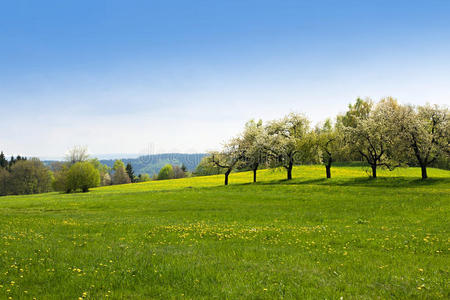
[
  {"x": 166, "y": 172},
  {"x": 82, "y": 176}
]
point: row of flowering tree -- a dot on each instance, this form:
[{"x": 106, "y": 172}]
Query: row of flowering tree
[{"x": 385, "y": 134}]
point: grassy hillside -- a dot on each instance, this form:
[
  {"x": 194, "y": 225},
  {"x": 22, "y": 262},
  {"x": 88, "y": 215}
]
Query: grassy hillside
[{"x": 348, "y": 237}]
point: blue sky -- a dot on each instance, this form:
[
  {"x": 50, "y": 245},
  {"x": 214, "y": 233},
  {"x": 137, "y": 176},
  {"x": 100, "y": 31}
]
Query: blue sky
[{"x": 184, "y": 76}]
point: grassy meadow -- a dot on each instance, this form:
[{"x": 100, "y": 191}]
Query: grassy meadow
[{"x": 348, "y": 237}]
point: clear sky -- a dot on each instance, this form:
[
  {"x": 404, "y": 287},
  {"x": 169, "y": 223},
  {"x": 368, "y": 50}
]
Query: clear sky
[{"x": 184, "y": 76}]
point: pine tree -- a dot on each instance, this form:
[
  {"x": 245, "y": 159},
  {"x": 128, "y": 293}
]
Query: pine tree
[
  {"x": 12, "y": 161},
  {"x": 130, "y": 172},
  {"x": 3, "y": 161}
]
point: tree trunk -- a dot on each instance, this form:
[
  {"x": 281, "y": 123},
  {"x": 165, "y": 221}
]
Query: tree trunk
[
  {"x": 424, "y": 171},
  {"x": 328, "y": 169},
  {"x": 254, "y": 175},
  {"x": 374, "y": 171},
  {"x": 289, "y": 171},
  {"x": 226, "y": 177}
]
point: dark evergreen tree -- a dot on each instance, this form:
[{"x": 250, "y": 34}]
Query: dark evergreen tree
[
  {"x": 183, "y": 167},
  {"x": 12, "y": 161},
  {"x": 130, "y": 172},
  {"x": 3, "y": 161}
]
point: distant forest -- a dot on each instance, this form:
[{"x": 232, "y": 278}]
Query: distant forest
[{"x": 151, "y": 164}]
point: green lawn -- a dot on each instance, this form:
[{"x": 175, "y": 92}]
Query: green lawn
[{"x": 349, "y": 237}]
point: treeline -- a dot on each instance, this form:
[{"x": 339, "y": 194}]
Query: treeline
[
  {"x": 80, "y": 173},
  {"x": 20, "y": 176},
  {"x": 386, "y": 134}
]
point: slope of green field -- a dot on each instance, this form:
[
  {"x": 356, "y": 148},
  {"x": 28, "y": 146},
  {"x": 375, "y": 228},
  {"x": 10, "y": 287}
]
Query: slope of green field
[{"x": 349, "y": 237}]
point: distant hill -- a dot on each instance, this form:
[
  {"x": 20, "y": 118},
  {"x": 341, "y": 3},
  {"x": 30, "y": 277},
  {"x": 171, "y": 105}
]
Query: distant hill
[{"x": 151, "y": 164}]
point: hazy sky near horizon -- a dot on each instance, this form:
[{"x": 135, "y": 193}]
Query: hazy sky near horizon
[{"x": 184, "y": 76}]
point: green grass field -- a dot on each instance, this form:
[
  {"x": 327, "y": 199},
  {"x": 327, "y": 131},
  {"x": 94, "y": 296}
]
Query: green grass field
[{"x": 349, "y": 237}]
